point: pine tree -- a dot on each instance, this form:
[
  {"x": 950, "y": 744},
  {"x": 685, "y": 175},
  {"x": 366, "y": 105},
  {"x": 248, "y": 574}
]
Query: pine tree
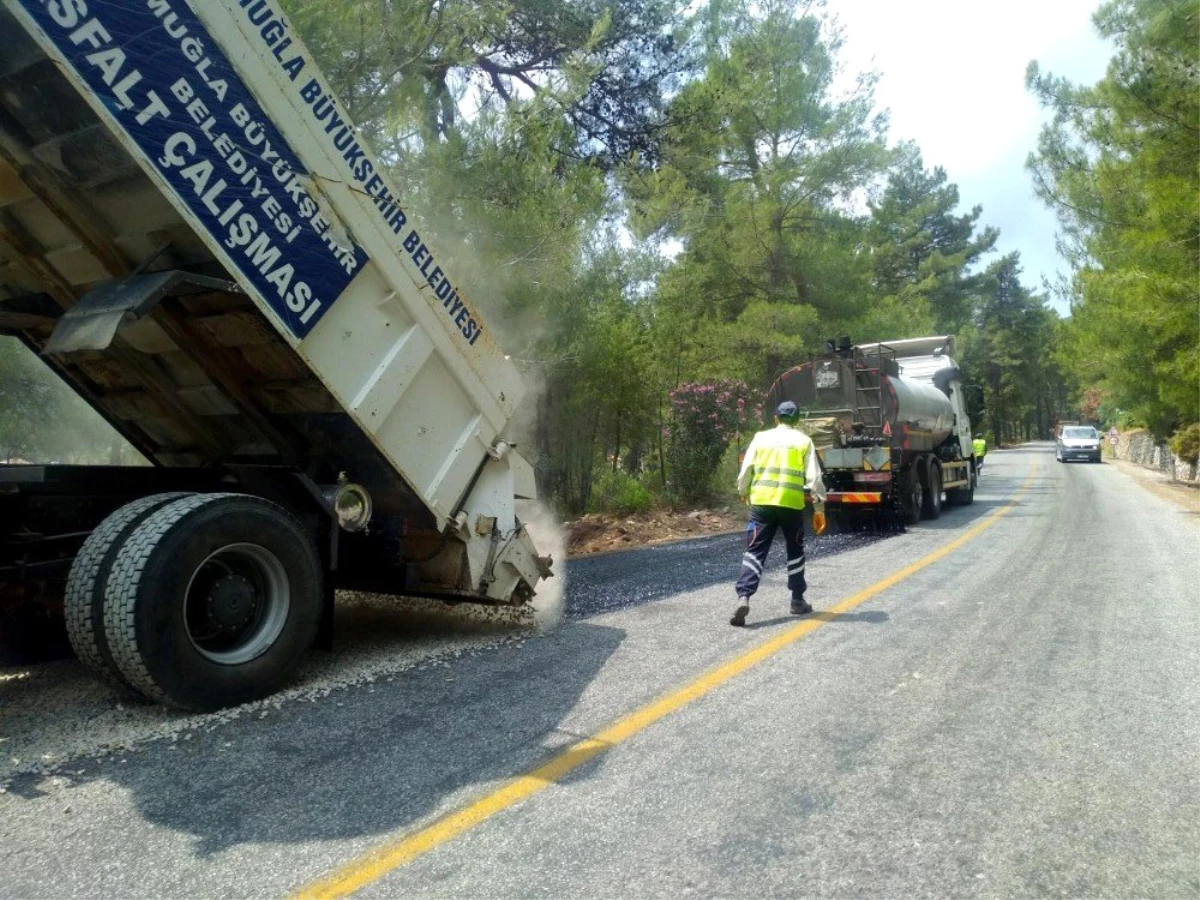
[{"x": 1118, "y": 164}]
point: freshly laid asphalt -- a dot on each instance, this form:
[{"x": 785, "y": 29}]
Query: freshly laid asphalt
[
  {"x": 1018, "y": 717},
  {"x": 615, "y": 581}
]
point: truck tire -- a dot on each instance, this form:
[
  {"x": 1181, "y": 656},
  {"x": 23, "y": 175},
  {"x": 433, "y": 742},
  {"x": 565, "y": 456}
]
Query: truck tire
[
  {"x": 911, "y": 495},
  {"x": 211, "y": 601},
  {"x": 931, "y": 506},
  {"x": 963, "y": 496},
  {"x": 83, "y": 602}
]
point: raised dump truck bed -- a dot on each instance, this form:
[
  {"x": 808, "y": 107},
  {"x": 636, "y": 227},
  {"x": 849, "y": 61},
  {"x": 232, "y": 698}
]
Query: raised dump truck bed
[{"x": 193, "y": 236}]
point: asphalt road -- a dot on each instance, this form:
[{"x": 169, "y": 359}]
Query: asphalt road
[{"x": 1016, "y": 716}]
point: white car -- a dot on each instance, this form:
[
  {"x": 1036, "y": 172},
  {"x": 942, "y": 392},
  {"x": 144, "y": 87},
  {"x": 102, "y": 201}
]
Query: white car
[{"x": 1078, "y": 442}]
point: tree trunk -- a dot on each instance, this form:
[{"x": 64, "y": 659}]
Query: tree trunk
[
  {"x": 633, "y": 459},
  {"x": 617, "y": 449},
  {"x": 662, "y": 459}
]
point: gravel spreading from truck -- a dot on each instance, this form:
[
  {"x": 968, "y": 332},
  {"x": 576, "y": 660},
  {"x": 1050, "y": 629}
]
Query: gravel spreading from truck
[
  {"x": 548, "y": 607},
  {"x": 56, "y": 712}
]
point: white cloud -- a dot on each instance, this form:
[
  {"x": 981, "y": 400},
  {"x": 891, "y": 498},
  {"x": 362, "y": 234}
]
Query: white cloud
[{"x": 953, "y": 77}]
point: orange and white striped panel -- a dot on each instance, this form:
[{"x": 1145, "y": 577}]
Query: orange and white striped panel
[{"x": 854, "y": 497}]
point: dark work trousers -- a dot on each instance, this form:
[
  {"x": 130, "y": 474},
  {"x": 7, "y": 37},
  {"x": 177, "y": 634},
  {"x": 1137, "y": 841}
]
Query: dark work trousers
[{"x": 760, "y": 532}]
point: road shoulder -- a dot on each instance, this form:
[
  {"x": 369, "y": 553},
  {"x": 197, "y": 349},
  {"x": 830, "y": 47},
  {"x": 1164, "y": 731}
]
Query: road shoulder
[{"x": 1159, "y": 484}]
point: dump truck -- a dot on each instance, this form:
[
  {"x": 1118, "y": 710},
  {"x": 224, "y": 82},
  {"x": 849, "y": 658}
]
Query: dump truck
[
  {"x": 196, "y": 239},
  {"x": 891, "y": 426}
]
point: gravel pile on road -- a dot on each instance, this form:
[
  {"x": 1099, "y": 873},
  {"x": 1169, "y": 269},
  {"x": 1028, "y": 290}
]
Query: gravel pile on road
[{"x": 57, "y": 713}]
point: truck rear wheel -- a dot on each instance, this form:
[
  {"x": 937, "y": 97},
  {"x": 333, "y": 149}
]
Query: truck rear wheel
[
  {"x": 83, "y": 602},
  {"x": 962, "y": 496},
  {"x": 911, "y": 496},
  {"x": 212, "y": 600},
  {"x": 931, "y": 506}
]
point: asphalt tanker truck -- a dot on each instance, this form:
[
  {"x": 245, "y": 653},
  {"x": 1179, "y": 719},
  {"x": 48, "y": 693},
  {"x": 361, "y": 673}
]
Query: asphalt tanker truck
[
  {"x": 196, "y": 240},
  {"x": 891, "y": 428}
]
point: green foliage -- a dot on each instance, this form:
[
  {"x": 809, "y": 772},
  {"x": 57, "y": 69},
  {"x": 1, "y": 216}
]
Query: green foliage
[
  {"x": 530, "y": 139},
  {"x": 593, "y": 361},
  {"x": 760, "y": 163},
  {"x": 921, "y": 250},
  {"x": 619, "y": 492},
  {"x": 1009, "y": 347},
  {"x": 44, "y": 421},
  {"x": 1185, "y": 444},
  {"x": 1118, "y": 165},
  {"x": 28, "y": 402},
  {"x": 412, "y": 72}
]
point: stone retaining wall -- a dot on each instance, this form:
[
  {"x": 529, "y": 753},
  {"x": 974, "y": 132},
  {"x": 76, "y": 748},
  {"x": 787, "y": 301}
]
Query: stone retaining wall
[{"x": 1139, "y": 447}]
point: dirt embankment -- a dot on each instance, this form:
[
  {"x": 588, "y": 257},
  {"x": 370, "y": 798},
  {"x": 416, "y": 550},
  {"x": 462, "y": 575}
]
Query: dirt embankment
[{"x": 601, "y": 532}]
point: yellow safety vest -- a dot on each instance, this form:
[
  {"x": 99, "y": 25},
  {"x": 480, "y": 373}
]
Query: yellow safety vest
[
  {"x": 779, "y": 464},
  {"x": 980, "y": 446}
]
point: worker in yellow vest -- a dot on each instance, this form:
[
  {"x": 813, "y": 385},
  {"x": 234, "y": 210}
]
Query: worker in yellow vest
[
  {"x": 979, "y": 445},
  {"x": 780, "y": 465}
]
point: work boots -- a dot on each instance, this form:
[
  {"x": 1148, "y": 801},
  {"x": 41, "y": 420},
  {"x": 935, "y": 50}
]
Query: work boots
[
  {"x": 799, "y": 608},
  {"x": 739, "y": 614}
]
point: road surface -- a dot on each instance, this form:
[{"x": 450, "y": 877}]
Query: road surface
[{"x": 1004, "y": 702}]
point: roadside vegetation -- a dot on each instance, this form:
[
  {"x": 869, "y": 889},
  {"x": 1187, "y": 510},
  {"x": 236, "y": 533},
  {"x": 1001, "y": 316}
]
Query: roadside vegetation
[
  {"x": 663, "y": 205},
  {"x": 1119, "y": 166},
  {"x": 44, "y": 421},
  {"x": 662, "y": 225}
]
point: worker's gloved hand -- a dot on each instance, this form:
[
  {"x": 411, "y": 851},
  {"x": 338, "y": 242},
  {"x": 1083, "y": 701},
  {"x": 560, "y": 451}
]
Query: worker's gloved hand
[{"x": 819, "y": 519}]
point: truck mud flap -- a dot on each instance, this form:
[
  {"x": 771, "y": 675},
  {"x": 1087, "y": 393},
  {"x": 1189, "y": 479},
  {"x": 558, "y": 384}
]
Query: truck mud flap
[{"x": 92, "y": 323}]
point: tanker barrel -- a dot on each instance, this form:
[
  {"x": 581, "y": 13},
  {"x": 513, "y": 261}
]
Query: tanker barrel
[{"x": 919, "y": 405}]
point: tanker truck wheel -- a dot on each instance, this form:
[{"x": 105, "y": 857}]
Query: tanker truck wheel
[
  {"x": 912, "y": 496},
  {"x": 962, "y": 496},
  {"x": 931, "y": 506},
  {"x": 211, "y": 601},
  {"x": 83, "y": 602}
]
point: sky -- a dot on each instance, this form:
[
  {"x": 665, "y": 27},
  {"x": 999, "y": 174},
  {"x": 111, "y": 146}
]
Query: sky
[{"x": 953, "y": 78}]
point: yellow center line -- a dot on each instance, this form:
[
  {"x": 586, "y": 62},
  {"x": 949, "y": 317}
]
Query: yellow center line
[{"x": 378, "y": 862}]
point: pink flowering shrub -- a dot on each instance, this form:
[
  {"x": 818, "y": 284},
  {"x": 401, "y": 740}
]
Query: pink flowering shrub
[{"x": 704, "y": 419}]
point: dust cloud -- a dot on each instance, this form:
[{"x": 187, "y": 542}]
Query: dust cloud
[{"x": 550, "y": 538}]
